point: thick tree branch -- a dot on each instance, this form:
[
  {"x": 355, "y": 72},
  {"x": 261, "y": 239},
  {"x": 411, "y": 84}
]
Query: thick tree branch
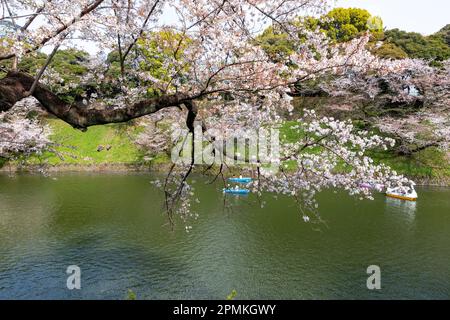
[{"x": 16, "y": 85}]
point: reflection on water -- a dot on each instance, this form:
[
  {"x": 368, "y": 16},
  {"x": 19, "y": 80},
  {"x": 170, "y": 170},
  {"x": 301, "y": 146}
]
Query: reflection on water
[
  {"x": 112, "y": 226},
  {"x": 401, "y": 206}
]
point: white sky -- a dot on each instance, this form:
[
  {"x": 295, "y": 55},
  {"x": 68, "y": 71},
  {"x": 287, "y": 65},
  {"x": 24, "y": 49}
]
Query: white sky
[{"x": 424, "y": 16}]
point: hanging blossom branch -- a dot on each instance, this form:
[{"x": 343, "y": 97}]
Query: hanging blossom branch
[
  {"x": 52, "y": 34},
  {"x": 331, "y": 154},
  {"x": 19, "y": 136}
]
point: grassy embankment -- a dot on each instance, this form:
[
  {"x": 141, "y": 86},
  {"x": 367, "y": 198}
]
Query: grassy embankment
[{"x": 75, "y": 148}]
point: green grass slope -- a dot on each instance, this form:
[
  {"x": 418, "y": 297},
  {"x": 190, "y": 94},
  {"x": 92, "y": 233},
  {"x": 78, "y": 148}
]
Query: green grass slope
[{"x": 76, "y": 147}]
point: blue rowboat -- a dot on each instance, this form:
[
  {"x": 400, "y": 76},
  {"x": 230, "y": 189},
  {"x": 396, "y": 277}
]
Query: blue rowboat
[
  {"x": 240, "y": 180},
  {"x": 236, "y": 191}
]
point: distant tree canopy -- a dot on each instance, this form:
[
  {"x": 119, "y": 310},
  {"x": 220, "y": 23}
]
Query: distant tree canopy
[
  {"x": 113, "y": 60},
  {"x": 444, "y": 34},
  {"x": 345, "y": 24},
  {"x": 340, "y": 25},
  {"x": 159, "y": 54},
  {"x": 68, "y": 65},
  {"x": 276, "y": 43},
  {"x": 415, "y": 45},
  {"x": 387, "y": 50}
]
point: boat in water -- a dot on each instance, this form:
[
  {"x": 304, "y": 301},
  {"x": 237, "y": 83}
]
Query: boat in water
[
  {"x": 240, "y": 180},
  {"x": 402, "y": 193},
  {"x": 236, "y": 190}
]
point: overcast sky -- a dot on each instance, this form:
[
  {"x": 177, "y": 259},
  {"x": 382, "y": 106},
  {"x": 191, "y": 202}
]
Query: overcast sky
[{"x": 424, "y": 16}]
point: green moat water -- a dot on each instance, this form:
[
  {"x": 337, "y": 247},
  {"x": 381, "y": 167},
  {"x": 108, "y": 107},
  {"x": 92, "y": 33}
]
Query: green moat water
[{"x": 112, "y": 226}]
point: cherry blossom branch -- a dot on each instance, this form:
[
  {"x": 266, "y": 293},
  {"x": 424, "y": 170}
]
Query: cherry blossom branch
[{"x": 85, "y": 11}]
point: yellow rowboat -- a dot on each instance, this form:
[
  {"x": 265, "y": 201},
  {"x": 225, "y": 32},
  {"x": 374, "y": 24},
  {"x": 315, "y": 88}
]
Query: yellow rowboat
[
  {"x": 400, "y": 197},
  {"x": 408, "y": 194}
]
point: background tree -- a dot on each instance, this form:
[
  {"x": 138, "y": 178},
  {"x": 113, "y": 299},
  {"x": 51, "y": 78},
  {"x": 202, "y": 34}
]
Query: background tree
[
  {"x": 389, "y": 50},
  {"x": 276, "y": 43},
  {"x": 444, "y": 33},
  {"x": 432, "y": 48},
  {"x": 344, "y": 24},
  {"x": 67, "y": 69},
  {"x": 160, "y": 56},
  {"x": 339, "y": 25}
]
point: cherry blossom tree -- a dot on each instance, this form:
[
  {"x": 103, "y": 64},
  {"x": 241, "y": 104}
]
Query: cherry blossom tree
[
  {"x": 217, "y": 75},
  {"x": 410, "y": 105},
  {"x": 21, "y": 136},
  {"x": 428, "y": 126}
]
